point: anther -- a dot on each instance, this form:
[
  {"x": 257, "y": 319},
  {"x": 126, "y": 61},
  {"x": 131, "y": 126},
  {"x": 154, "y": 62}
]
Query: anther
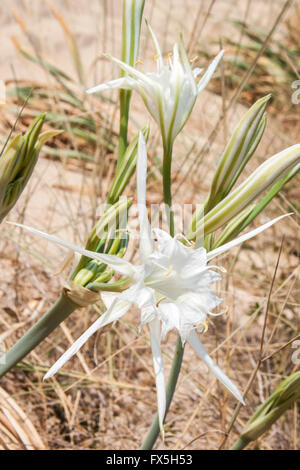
[
  {"x": 169, "y": 56},
  {"x": 204, "y": 324},
  {"x": 156, "y": 57},
  {"x": 194, "y": 59},
  {"x": 139, "y": 61},
  {"x": 159, "y": 301}
]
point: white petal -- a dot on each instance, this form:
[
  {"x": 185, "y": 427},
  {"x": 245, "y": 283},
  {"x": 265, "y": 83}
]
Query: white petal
[
  {"x": 200, "y": 350},
  {"x": 139, "y": 295},
  {"x": 156, "y": 44},
  {"x": 116, "y": 263},
  {"x": 117, "y": 309},
  {"x": 108, "y": 298},
  {"x": 125, "y": 83},
  {"x": 185, "y": 261},
  {"x": 169, "y": 314},
  {"x": 159, "y": 371},
  {"x": 185, "y": 60},
  {"x": 218, "y": 251},
  {"x": 209, "y": 72},
  {"x": 146, "y": 241}
]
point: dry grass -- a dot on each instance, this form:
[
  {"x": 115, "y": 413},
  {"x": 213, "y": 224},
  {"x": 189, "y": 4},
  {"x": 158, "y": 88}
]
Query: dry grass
[{"x": 104, "y": 398}]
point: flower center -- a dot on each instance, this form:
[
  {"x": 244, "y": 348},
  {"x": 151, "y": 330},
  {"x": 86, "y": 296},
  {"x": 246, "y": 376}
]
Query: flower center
[{"x": 166, "y": 283}]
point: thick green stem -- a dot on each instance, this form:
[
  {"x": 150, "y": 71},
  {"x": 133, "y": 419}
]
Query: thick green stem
[
  {"x": 167, "y": 164},
  {"x": 175, "y": 369},
  {"x": 125, "y": 96},
  {"x": 57, "y": 314},
  {"x": 177, "y": 360},
  {"x": 240, "y": 444}
]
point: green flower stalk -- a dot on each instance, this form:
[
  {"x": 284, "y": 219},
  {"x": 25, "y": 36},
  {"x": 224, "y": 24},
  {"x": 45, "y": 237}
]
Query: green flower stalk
[
  {"x": 238, "y": 152},
  {"x": 270, "y": 411},
  {"x": 266, "y": 175},
  {"x": 17, "y": 163},
  {"x": 132, "y": 20}
]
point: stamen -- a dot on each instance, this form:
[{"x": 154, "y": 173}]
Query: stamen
[
  {"x": 204, "y": 324},
  {"x": 170, "y": 55},
  {"x": 169, "y": 271},
  {"x": 139, "y": 61},
  {"x": 194, "y": 59},
  {"x": 160, "y": 300},
  {"x": 156, "y": 57},
  {"x": 224, "y": 312},
  {"x": 222, "y": 269}
]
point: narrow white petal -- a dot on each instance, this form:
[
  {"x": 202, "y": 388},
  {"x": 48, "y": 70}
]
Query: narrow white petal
[
  {"x": 200, "y": 350},
  {"x": 184, "y": 57},
  {"x": 218, "y": 251},
  {"x": 209, "y": 72},
  {"x": 146, "y": 241},
  {"x": 125, "y": 83},
  {"x": 159, "y": 371},
  {"x": 116, "y": 263},
  {"x": 117, "y": 309},
  {"x": 156, "y": 44}
]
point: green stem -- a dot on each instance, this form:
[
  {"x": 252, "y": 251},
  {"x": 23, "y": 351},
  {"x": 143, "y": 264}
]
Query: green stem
[
  {"x": 240, "y": 444},
  {"x": 55, "y": 315},
  {"x": 177, "y": 360},
  {"x": 175, "y": 369},
  {"x": 125, "y": 96},
  {"x": 167, "y": 164}
]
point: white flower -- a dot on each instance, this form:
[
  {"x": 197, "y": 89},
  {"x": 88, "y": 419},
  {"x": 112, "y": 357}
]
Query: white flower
[
  {"x": 171, "y": 286},
  {"x": 170, "y": 93}
]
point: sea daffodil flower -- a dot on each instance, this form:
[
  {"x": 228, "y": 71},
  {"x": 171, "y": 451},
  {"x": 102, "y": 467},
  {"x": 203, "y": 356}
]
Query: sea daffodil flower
[
  {"x": 169, "y": 93},
  {"x": 171, "y": 287}
]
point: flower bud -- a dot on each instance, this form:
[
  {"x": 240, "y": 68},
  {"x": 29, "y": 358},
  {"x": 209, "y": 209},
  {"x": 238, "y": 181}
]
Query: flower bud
[
  {"x": 238, "y": 151},
  {"x": 273, "y": 408},
  {"x": 261, "y": 179},
  {"x": 17, "y": 161}
]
